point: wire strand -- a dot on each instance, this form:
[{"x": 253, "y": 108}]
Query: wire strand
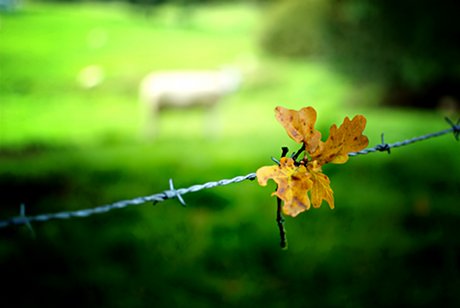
[
  {"x": 22, "y": 219},
  {"x": 159, "y": 197},
  {"x": 386, "y": 147}
]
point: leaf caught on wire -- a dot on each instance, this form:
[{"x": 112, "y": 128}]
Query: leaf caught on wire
[{"x": 301, "y": 183}]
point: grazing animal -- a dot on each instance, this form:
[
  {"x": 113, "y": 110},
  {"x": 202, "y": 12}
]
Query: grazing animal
[{"x": 184, "y": 89}]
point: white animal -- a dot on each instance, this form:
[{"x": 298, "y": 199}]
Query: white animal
[{"x": 184, "y": 89}]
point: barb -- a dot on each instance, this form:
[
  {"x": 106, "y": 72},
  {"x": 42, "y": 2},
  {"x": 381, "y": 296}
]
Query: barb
[
  {"x": 174, "y": 193},
  {"x": 455, "y": 127},
  {"x": 386, "y": 147},
  {"x": 22, "y": 219},
  {"x": 383, "y": 146},
  {"x": 22, "y": 214}
]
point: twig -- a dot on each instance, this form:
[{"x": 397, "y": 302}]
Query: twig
[
  {"x": 280, "y": 223},
  {"x": 299, "y": 151}
]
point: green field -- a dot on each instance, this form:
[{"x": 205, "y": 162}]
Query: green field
[{"x": 392, "y": 238}]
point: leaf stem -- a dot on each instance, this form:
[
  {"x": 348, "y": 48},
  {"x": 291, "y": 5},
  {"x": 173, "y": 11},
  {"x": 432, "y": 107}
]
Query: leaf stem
[
  {"x": 299, "y": 151},
  {"x": 284, "y": 151}
]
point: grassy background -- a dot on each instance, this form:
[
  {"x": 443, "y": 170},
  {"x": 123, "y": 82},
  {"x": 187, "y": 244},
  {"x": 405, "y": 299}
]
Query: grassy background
[{"x": 391, "y": 239}]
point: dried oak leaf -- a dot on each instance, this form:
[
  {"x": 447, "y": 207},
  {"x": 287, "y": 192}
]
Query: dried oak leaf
[
  {"x": 321, "y": 186},
  {"x": 293, "y": 184},
  {"x": 341, "y": 141},
  {"x": 300, "y": 125}
]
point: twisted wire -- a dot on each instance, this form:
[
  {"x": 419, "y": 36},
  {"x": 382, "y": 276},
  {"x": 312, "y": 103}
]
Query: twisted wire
[
  {"x": 23, "y": 219},
  {"x": 159, "y": 197},
  {"x": 387, "y": 146}
]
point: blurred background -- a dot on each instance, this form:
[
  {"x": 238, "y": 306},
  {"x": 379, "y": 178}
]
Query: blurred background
[{"x": 72, "y": 136}]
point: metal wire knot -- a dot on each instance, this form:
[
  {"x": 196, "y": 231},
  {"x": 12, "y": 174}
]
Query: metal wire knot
[
  {"x": 173, "y": 193},
  {"x": 383, "y": 146},
  {"x": 455, "y": 127}
]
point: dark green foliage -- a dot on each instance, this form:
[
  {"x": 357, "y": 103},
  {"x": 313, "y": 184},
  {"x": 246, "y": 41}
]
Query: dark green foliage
[
  {"x": 391, "y": 239},
  {"x": 293, "y": 29},
  {"x": 410, "y": 46}
]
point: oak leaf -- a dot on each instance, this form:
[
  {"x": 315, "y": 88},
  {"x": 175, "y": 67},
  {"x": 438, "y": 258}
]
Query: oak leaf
[
  {"x": 321, "y": 188},
  {"x": 293, "y": 184},
  {"x": 341, "y": 141},
  {"x": 300, "y": 125}
]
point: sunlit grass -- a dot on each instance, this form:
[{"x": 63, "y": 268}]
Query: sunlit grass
[{"x": 42, "y": 100}]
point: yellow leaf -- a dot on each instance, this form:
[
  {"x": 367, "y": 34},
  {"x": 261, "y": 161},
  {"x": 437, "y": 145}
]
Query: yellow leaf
[
  {"x": 321, "y": 189},
  {"x": 293, "y": 184},
  {"x": 303, "y": 183},
  {"x": 341, "y": 141},
  {"x": 300, "y": 125}
]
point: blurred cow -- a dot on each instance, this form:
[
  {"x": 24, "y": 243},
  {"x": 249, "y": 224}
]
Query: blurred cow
[{"x": 184, "y": 89}]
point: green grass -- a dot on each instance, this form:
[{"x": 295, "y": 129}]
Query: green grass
[{"x": 391, "y": 238}]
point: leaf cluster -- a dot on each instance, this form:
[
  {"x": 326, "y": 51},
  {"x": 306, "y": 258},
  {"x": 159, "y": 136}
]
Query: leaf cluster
[{"x": 301, "y": 182}]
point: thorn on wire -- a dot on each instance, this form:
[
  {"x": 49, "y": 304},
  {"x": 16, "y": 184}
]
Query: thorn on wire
[
  {"x": 22, "y": 214},
  {"x": 455, "y": 127},
  {"x": 382, "y": 147},
  {"x": 175, "y": 193}
]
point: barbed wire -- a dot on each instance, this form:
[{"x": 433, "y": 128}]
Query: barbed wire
[
  {"x": 156, "y": 198},
  {"x": 385, "y": 147},
  {"x": 171, "y": 193}
]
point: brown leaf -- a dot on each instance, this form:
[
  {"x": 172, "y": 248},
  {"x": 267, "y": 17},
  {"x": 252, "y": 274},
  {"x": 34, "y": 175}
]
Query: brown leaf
[
  {"x": 341, "y": 141},
  {"x": 300, "y": 125},
  {"x": 293, "y": 184},
  {"x": 321, "y": 189}
]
